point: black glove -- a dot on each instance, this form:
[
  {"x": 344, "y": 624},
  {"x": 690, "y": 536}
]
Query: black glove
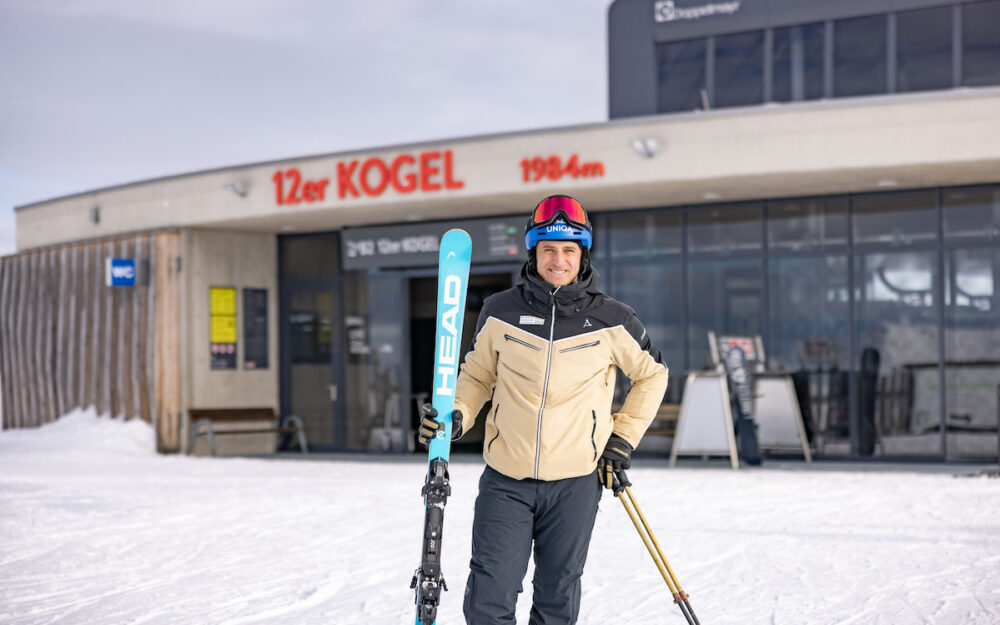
[
  {"x": 429, "y": 425},
  {"x": 616, "y": 458}
]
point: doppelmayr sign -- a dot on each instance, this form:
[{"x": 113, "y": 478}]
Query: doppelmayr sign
[{"x": 668, "y": 11}]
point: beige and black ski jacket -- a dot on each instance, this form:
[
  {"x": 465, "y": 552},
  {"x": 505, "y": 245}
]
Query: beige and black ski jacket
[{"x": 547, "y": 358}]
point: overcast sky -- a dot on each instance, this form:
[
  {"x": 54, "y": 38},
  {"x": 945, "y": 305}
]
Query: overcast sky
[{"x": 100, "y": 92}]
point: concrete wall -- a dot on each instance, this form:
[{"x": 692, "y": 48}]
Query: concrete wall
[{"x": 228, "y": 259}]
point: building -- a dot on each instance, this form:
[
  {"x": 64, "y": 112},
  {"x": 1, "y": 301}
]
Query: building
[{"x": 823, "y": 174}]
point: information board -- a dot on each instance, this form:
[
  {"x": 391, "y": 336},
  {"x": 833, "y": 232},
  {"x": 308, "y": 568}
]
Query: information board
[
  {"x": 222, "y": 327},
  {"x": 255, "y": 352}
]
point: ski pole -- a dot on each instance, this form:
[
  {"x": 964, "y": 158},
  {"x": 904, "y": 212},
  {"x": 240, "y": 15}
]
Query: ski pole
[{"x": 648, "y": 539}]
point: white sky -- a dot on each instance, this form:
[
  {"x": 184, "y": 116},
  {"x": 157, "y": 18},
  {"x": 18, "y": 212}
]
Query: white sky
[{"x": 101, "y": 92}]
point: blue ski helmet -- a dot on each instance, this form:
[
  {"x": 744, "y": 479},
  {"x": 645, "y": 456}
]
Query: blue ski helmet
[{"x": 558, "y": 218}]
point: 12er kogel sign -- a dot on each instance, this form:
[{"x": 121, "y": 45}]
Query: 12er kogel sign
[
  {"x": 494, "y": 240},
  {"x": 423, "y": 172}
]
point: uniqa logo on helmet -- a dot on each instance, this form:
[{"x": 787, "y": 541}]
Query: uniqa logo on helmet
[{"x": 558, "y": 227}]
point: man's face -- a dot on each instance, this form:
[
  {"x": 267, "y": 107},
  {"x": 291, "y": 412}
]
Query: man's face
[{"x": 558, "y": 261}]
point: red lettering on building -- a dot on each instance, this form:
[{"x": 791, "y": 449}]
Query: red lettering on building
[
  {"x": 410, "y": 178},
  {"x": 383, "y": 174},
  {"x": 425, "y": 172},
  {"x": 344, "y": 184}
]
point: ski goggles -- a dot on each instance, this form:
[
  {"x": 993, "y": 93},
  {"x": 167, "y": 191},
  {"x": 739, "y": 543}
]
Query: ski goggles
[{"x": 551, "y": 208}]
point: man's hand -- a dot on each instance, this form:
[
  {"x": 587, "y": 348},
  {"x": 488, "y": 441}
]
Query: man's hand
[
  {"x": 616, "y": 458},
  {"x": 429, "y": 425}
]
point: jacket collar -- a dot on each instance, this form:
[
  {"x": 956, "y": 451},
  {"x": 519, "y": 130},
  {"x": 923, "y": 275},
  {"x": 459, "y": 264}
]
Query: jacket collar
[{"x": 577, "y": 297}]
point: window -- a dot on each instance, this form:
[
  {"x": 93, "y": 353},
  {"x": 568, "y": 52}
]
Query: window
[
  {"x": 310, "y": 257},
  {"x": 897, "y": 324},
  {"x": 646, "y": 233},
  {"x": 923, "y": 49},
  {"x": 739, "y": 69},
  {"x": 895, "y": 218},
  {"x": 972, "y": 352},
  {"x": 972, "y": 214},
  {"x": 680, "y": 75},
  {"x": 797, "y": 64},
  {"x": 806, "y": 224},
  {"x": 981, "y": 44},
  {"x": 724, "y": 228},
  {"x": 859, "y": 56}
]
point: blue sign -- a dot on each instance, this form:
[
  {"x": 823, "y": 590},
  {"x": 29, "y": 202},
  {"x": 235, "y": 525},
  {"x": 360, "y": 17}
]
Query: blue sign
[{"x": 120, "y": 272}]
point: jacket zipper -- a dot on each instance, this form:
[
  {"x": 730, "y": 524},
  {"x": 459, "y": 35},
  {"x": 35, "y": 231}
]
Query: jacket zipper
[
  {"x": 525, "y": 343},
  {"x": 495, "y": 410},
  {"x": 545, "y": 386},
  {"x": 593, "y": 433},
  {"x": 569, "y": 349}
]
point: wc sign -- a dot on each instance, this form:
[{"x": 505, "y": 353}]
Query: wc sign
[{"x": 120, "y": 272}]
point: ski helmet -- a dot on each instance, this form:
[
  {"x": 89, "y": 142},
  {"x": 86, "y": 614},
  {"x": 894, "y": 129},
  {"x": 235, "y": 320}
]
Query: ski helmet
[{"x": 558, "y": 218}]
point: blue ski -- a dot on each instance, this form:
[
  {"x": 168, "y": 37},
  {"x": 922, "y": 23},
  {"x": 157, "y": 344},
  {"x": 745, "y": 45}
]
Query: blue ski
[{"x": 453, "y": 278}]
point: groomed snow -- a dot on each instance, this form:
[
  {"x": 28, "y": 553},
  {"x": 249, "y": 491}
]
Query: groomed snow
[{"x": 96, "y": 528}]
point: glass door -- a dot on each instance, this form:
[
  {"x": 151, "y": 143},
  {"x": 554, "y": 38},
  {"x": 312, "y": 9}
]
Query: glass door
[
  {"x": 376, "y": 372},
  {"x": 311, "y": 386}
]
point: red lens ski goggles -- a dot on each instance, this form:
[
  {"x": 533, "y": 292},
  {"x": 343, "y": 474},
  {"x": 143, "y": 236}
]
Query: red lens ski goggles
[{"x": 551, "y": 207}]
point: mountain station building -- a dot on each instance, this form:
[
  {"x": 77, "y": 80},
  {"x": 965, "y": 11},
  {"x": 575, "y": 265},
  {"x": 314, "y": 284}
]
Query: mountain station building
[{"x": 822, "y": 174}]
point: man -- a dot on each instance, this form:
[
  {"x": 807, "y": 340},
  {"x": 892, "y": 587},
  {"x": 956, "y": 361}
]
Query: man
[{"x": 546, "y": 353}]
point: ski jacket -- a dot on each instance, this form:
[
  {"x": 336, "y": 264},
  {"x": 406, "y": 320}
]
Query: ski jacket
[{"x": 547, "y": 356}]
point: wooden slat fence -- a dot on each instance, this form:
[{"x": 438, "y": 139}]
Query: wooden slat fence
[{"x": 67, "y": 341}]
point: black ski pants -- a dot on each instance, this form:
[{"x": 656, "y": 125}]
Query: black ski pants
[{"x": 558, "y": 517}]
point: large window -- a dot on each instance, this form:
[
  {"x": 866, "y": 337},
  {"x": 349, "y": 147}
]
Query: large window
[
  {"x": 724, "y": 296},
  {"x": 797, "y": 63},
  {"x": 681, "y": 75},
  {"x": 981, "y": 44},
  {"x": 724, "y": 229},
  {"x": 924, "y": 49},
  {"x": 656, "y": 293},
  {"x": 806, "y": 224},
  {"x": 897, "y": 327},
  {"x": 859, "y": 56},
  {"x": 895, "y": 218},
  {"x": 972, "y": 352},
  {"x": 645, "y": 234},
  {"x": 807, "y": 334},
  {"x": 739, "y": 69},
  {"x": 972, "y": 214}
]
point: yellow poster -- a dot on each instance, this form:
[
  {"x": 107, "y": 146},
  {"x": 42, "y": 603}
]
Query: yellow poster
[
  {"x": 223, "y": 329},
  {"x": 222, "y": 301}
]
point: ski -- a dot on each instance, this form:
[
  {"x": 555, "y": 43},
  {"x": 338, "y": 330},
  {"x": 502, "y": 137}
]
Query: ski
[{"x": 453, "y": 277}]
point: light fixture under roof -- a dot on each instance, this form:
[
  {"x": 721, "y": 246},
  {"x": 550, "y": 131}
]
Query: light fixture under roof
[
  {"x": 645, "y": 146},
  {"x": 239, "y": 188}
]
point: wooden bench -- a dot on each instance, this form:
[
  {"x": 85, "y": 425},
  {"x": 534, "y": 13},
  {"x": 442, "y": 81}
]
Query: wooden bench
[
  {"x": 250, "y": 420},
  {"x": 665, "y": 421}
]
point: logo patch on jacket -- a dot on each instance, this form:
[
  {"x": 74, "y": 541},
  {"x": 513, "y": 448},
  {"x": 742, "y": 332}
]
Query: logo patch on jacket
[
  {"x": 528, "y": 320},
  {"x": 587, "y": 323}
]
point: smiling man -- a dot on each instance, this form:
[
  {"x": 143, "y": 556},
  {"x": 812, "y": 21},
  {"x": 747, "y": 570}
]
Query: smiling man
[{"x": 546, "y": 354}]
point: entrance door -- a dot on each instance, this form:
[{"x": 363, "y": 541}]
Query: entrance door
[
  {"x": 374, "y": 371},
  {"x": 312, "y": 389},
  {"x": 423, "y": 317}
]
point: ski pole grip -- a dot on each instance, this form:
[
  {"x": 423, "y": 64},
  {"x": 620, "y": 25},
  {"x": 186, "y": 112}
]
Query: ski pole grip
[{"x": 619, "y": 481}]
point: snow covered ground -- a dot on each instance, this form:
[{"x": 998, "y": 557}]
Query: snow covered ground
[{"x": 95, "y": 528}]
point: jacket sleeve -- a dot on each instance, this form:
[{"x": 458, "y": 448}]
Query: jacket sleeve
[
  {"x": 636, "y": 355},
  {"x": 478, "y": 374}
]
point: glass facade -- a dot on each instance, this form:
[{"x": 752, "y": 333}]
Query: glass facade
[
  {"x": 981, "y": 44},
  {"x": 859, "y": 56},
  {"x": 924, "y": 49},
  {"x": 882, "y": 307},
  {"x": 681, "y": 75},
  {"x": 897, "y": 52}
]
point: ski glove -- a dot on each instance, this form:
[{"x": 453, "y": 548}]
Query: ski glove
[
  {"x": 616, "y": 458},
  {"x": 429, "y": 424}
]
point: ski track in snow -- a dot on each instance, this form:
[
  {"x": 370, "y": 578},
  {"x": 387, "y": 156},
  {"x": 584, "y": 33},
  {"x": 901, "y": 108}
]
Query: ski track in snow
[{"x": 97, "y": 529}]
